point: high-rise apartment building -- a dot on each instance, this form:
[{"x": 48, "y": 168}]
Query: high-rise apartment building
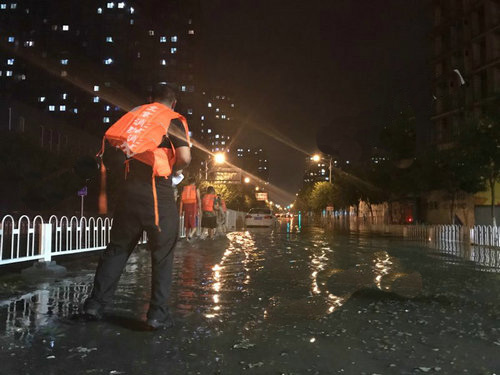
[
  {"x": 253, "y": 160},
  {"x": 318, "y": 169},
  {"x": 85, "y": 63},
  {"x": 466, "y": 41},
  {"x": 218, "y": 123}
]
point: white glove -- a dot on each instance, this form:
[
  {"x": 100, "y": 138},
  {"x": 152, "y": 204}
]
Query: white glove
[{"x": 176, "y": 179}]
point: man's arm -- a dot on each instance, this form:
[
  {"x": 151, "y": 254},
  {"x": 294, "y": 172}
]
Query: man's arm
[{"x": 182, "y": 158}]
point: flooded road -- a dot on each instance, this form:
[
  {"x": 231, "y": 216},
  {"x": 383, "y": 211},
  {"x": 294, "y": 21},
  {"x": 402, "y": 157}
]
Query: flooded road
[{"x": 269, "y": 301}]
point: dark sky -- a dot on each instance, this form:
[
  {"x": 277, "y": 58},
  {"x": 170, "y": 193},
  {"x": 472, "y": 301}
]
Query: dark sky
[{"x": 296, "y": 66}]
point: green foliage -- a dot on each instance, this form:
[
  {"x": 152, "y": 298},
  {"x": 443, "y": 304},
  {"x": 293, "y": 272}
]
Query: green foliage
[{"x": 322, "y": 195}]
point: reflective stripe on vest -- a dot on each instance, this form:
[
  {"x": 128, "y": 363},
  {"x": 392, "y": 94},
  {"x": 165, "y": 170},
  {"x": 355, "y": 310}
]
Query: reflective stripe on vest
[
  {"x": 207, "y": 203},
  {"x": 189, "y": 194}
]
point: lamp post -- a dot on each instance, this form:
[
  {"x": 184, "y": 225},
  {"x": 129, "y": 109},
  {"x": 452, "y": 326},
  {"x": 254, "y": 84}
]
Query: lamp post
[{"x": 218, "y": 158}]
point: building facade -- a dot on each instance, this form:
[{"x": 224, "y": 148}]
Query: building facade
[
  {"x": 466, "y": 62},
  {"x": 86, "y": 63}
]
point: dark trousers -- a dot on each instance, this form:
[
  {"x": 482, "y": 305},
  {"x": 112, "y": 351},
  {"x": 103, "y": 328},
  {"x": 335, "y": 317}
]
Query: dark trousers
[{"x": 135, "y": 213}]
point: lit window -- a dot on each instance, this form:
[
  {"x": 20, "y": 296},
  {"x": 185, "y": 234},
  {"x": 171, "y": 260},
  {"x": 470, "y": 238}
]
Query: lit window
[
  {"x": 10, "y": 61},
  {"x": 110, "y": 5},
  {"x": 223, "y": 143},
  {"x": 209, "y": 131},
  {"x": 209, "y": 105},
  {"x": 41, "y": 99},
  {"x": 121, "y": 5},
  {"x": 190, "y": 133},
  {"x": 183, "y": 88},
  {"x": 52, "y": 108},
  {"x": 64, "y": 62},
  {"x": 232, "y": 105},
  {"x": 64, "y": 96},
  {"x": 131, "y": 22},
  {"x": 223, "y": 116},
  {"x": 109, "y": 39},
  {"x": 163, "y": 62},
  {"x": 11, "y": 39},
  {"x": 217, "y": 136},
  {"x": 216, "y": 116},
  {"x": 62, "y": 108},
  {"x": 107, "y": 108},
  {"x": 190, "y": 111},
  {"x": 29, "y": 43},
  {"x": 151, "y": 33},
  {"x": 75, "y": 110},
  {"x": 96, "y": 99},
  {"x": 173, "y": 50},
  {"x": 96, "y": 88},
  {"x": 173, "y": 39},
  {"x": 108, "y": 61},
  {"x": 65, "y": 28},
  {"x": 191, "y": 32},
  {"x": 99, "y": 10},
  {"x": 132, "y": 10},
  {"x": 163, "y": 39},
  {"x": 13, "y": 6},
  {"x": 8, "y": 73},
  {"x": 202, "y": 118},
  {"x": 105, "y": 120},
  {"x": 3, "y": 6}
]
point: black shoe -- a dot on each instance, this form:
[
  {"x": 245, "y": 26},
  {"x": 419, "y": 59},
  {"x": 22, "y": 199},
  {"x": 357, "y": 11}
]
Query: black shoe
[
  {"x": 93, "y": 310},
  {"x": 155, "y": 324}
]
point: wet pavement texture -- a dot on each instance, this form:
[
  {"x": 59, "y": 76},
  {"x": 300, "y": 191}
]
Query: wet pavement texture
[{"x": 267, "y": 301}]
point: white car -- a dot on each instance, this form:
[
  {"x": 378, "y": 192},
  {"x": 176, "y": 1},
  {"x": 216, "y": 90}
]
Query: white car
[{"x": 259, "y": 217}]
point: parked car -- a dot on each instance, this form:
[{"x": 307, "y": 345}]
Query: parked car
[{"x": 259, "y": 217}]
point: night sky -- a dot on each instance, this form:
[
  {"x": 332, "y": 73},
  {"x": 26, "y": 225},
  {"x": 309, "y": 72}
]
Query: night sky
[{"x": 296, "y": 66}]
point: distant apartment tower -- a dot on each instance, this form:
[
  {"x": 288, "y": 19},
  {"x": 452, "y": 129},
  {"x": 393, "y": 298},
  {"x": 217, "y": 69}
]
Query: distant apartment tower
[
  {"x": 253, "y": 160},
  {"x": 317, "y": 170},
  {"x": 466, "y": 41},
  {"x": 218, "y": 124},
  {"x": 85, "y": 63}
]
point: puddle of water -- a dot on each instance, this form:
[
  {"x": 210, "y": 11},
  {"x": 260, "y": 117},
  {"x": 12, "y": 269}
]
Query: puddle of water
[{"x": 278, "y": 300}]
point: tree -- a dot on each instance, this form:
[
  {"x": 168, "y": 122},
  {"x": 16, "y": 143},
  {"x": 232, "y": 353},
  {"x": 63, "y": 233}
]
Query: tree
[
  {"x": 322, "y": 195},
  {"x": 479, "y": 143}
]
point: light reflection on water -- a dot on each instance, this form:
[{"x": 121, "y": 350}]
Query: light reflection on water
[{"x": 278, "y": 275}]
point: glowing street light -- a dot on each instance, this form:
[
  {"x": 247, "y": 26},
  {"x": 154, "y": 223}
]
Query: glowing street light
[
  {"x": 316, "y": 157},
  {"x": 219, "y": 158},
  {"x": 246, "y": 180}
]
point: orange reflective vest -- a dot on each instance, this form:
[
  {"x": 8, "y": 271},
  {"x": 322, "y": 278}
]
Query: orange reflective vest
[
  {"x": 189, "y": 194},
  {"x": 138, "y": 134},
  {"x": 207, "y": 203}
]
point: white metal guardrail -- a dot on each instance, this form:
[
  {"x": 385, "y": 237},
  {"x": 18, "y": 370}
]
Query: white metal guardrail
[{"x": 26, "y": 239}]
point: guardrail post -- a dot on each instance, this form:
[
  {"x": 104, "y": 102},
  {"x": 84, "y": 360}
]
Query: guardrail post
[{"x": 46, "y": 242}]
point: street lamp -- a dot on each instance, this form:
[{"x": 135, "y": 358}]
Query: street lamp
[
  {"x": 246, "y": 180},
  {"x": 316, "y": 157},
  {"x": 218, "y": 158}
]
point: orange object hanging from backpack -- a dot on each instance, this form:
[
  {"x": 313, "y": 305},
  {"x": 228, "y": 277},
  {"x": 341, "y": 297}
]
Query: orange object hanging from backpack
[{"x": 139, "y": 132}]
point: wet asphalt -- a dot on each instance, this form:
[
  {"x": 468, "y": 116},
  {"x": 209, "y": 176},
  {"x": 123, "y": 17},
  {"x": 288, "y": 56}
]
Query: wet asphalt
[{"x": 268, "y": 301}]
